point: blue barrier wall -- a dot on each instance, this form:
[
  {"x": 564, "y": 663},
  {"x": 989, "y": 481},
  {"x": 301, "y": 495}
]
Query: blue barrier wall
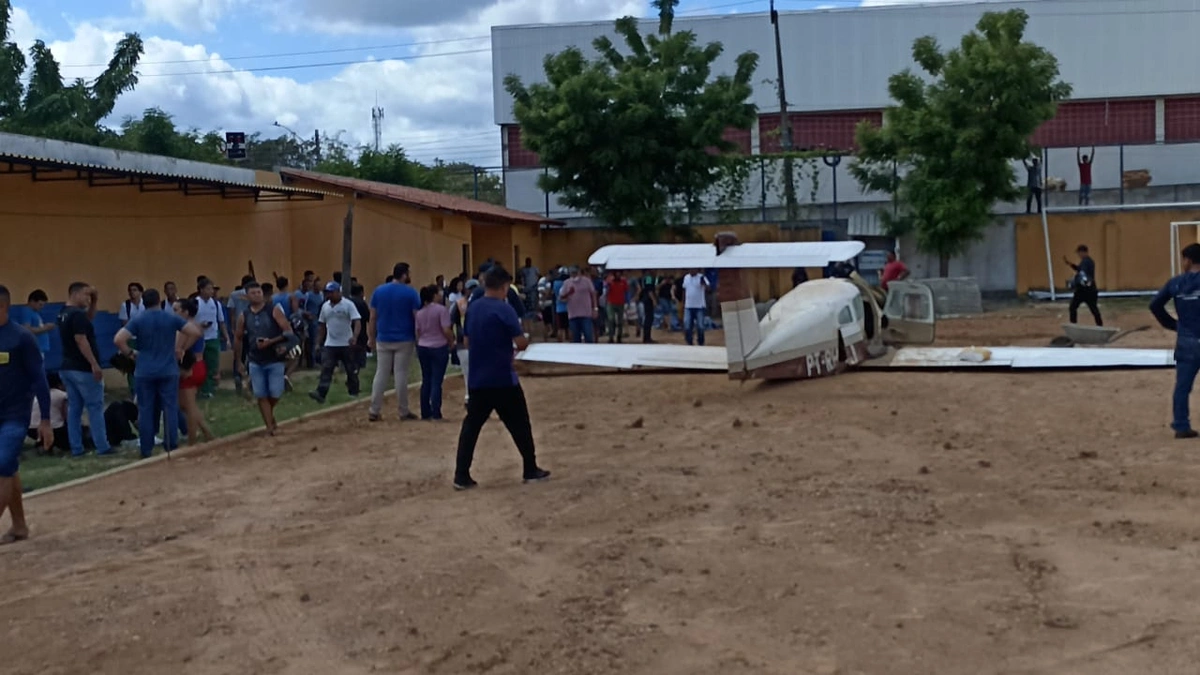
[{"x": 106, "y": 324}]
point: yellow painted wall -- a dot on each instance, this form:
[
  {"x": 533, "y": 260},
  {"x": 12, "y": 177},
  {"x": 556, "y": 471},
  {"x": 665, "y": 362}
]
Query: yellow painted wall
[
  {"x": 385, "y": 233},
  {"x": 573, "y": 246},
  {"x": 490, "y": 241},
  {"x": 1132, "y": 249},
  {"x": 59, "y": 232}
]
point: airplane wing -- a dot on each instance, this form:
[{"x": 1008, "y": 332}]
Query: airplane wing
[
  {"x": 1024, "y": 358},
  {"x": 742, "y": 256},
  {"x": 627, "y": 357}
]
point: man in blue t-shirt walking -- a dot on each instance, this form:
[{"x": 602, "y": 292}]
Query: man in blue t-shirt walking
[
  {"x": 392, "y": 336},
  {"x": 492, "y": 328},
  {"x": 22, "y": 378},
  {"x": 1185, "y": 291},
  {"x": 156, "y": 375}
]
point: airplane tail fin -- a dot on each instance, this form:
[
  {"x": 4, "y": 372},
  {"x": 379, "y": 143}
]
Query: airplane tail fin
[{"x": 739, "y": 317}]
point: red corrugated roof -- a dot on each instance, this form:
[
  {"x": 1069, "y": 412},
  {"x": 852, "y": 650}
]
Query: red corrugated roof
[{"x": 425, "y": 199}]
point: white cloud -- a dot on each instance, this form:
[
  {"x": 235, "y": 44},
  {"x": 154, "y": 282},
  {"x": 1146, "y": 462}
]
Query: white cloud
[
  {"x": 186, "y": 15},
  {"x": 440, "y": 105},
  {"x": 22, "y": 29}
]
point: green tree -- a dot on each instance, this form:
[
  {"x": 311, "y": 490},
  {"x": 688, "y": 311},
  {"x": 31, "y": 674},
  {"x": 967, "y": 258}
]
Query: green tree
[
  {"x": 626, "y": 136},
  {"x": 946, "y": 152},
  {"x": 155, "y": 133},
  {"x": 464, "y": 180},
  {"x": 51, "y": 108}
]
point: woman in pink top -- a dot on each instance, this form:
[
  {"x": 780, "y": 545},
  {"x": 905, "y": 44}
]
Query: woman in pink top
[{"x": 434, "y": 340}]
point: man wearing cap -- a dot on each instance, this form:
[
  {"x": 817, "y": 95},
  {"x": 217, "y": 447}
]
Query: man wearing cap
[
  {"x": 338, "y": 326},
  {"x": 392, "y": 337}
]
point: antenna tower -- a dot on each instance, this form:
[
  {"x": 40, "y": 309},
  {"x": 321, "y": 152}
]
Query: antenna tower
[{"x": 377, "y": 123}]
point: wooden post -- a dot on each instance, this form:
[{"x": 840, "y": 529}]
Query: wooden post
[{"x": 348, "y": 244}]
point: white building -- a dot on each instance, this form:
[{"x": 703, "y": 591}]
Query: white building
[{"x": 1136, "y": 98}]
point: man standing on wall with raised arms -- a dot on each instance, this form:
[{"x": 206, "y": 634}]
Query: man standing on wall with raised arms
[{"x": 22, "y": 378}]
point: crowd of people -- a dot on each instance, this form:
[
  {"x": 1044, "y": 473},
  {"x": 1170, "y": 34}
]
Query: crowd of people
[{"x": 169, "y": 348}]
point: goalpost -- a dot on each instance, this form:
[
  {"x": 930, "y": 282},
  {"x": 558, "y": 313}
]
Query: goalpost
[
  {"x": 1176, "y": 241},
  {"x": 1174, "y": 238}
]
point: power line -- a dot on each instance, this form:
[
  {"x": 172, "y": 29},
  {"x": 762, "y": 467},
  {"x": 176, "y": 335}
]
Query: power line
[
  {"x": 327, "y": 64},
  {"x": 342, "y": 50}
]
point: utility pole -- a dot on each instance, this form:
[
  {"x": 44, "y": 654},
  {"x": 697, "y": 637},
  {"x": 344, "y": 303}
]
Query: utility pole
[{"x": 785, "y": 123}]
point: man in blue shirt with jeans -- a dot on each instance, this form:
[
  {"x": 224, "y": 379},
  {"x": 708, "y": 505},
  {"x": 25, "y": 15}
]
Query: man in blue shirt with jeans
[
  {"x": 492, "y": 328},
  {"x": 1185, "y": 291},
  {"x": 392, "y": 335},
  {"x": 22, "y": 378},
  {"x": 156, "y": 375}
]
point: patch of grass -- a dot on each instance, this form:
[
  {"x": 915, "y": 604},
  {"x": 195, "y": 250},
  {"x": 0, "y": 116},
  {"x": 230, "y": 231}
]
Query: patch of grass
[{"x": 227, "y": 414}]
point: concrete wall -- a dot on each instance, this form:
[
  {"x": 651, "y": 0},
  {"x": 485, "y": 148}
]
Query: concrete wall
[{"x": 991, "y": 261}]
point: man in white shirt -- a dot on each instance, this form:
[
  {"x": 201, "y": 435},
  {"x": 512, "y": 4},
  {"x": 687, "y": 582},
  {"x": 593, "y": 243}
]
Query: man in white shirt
[
  {"x": 694, "y": 285},
  {"x": 338, "y": 328},
  {"x": 210, "y": 316},
  {"x": 134, "y": 305}
]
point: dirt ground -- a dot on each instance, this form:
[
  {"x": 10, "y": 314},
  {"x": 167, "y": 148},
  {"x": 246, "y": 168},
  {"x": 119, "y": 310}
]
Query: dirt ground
[{"x": 872, "y": 523}]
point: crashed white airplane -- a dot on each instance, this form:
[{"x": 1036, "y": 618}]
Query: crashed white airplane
[{"x": 818, "y": 329}]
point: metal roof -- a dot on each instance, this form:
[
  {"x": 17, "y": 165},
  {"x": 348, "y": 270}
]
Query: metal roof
[
  {"x": 425, "y": 199},
  {"x": 47, "y": 169}
]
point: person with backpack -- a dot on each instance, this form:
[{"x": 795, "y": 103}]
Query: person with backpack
[
  {"x": 270, "y": 337},
  {"x": 133, "y": 306}
]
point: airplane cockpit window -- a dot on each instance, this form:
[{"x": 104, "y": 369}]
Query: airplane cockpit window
[{"x": 846, "y": 316}]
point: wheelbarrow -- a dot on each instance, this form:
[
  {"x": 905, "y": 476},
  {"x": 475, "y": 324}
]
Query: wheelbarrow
[{"x": 1091, "y": 335}]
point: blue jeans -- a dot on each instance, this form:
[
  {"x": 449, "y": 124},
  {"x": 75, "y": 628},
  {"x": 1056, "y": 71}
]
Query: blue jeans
[
  {"x": 157, "y": 394},
  {"x": 158, "y": 419},
  {"x": 693, "y": 317},
  {"x": 85, "y": 392},
  {"x": 267, "y": 379},
  {"x": 583, "y": 329},
  {"x": 1185, "y": 377},
  {"x": 434, "y": 361}
]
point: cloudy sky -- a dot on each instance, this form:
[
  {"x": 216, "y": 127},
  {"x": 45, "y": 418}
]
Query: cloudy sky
[{"x": 241, "y": 65}]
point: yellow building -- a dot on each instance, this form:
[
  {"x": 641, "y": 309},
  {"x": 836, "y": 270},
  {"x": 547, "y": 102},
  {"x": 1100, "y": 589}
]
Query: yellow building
[
  {"x": 435, "y": 233},
  {"x": 70, "y": 212}
]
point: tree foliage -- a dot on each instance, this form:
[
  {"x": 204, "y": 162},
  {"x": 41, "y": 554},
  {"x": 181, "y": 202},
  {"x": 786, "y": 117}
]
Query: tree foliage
[
  {"x": 36, "y": 101},
  {"x": 628, "y": 135},
  {"x": 947, "y": 149},
  {"x": 48, "y": 106}
]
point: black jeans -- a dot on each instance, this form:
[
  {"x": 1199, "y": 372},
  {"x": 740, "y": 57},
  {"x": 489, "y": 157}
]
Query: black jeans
[
  {"x": 1034, "y": 193},
  {"x": 1089, "y": 297},
  {"x": 509, "y": 404},
  {"x": 330, "y": 358},
  {"x": 647, "y": 320}
]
